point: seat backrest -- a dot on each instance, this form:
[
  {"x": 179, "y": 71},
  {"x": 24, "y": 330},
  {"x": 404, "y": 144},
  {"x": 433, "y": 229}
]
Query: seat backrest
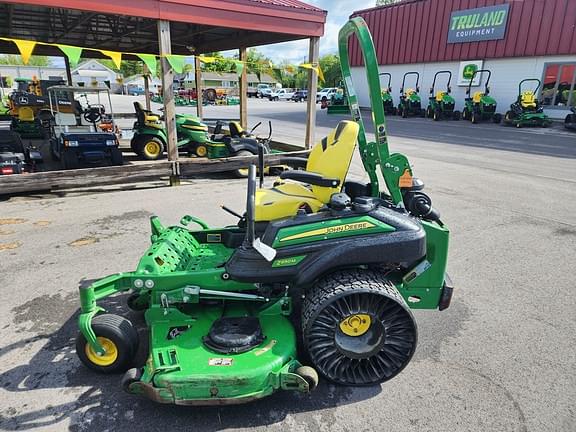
[
  {"x": 528, "y": 99},
  {"x": 477, "y": 96},
  {"x": 236, "y": 130},
  {"x": 331, "y": 157},
  {"x": 439, "y": 95},
  {"x": 140, "y": 115},
  {"x": 25, "y": 114}
]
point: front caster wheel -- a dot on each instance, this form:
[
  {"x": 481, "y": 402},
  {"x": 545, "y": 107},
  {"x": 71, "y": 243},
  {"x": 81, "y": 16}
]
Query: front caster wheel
[
  {"x": 357, "y": 328},
  {"x": 119, "y": 340},
  {"x": 310, "y": 376}
]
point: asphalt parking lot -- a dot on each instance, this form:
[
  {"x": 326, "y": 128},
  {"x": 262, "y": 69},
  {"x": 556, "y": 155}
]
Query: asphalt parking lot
[{"x": 501, "y": 358}]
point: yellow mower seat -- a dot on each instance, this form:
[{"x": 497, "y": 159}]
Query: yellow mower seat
[
  {"x": 477, "y": 96},
  {"x": 440, "y": 95},
  {"x": 330, "y": 158},
  {"x": 409, "y": 92},
  {"x": 528, "y": 99},
  {"x": 25, "y": 114}
]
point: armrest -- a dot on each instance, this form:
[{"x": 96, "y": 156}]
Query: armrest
[
  {"x": 296, "y": 162},
  {"x": 310, "y": 178}
]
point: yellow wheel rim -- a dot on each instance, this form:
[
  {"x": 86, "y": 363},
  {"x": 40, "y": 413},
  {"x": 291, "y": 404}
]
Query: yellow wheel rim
[
  {"x": 355, "y": 325},
  {"x": 201, "y": 151},
  {"x": 152, "y": 149},
  {"x": 108, "y": 358}
]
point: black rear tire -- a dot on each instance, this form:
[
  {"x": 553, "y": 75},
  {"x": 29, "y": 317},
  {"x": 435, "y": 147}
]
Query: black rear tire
[
  {"x": 70, "y": 160},
  {"x": 242, "y": 172},
  {"x": 116, "y": 156},
  {"x": 120, "y": 332},
  {"x": 386, "y": 343},
  {"x": 497, "y": 118}
]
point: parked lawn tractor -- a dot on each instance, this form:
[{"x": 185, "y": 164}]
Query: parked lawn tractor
[
  {"x": 15, "y": 158},
  {"x": 410, "y": 101},
  {"x": 527, "y": 110},
  {"x": 480, "y": 106},
  {"x": 149, "y": 140},
  {"x": 441, "y": 103},
  {"x": 220, "y": 303},
  {"x": 570, "y": 120},
  {"x": 76, "y": 138},
  {"x": 386, "y": 94}
]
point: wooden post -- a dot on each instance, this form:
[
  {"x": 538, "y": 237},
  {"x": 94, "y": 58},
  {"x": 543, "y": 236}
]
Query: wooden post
[
  {"x": 313, "y": 54},
  {"x": 243, "y": 88},
  {"x": 68, "y": 71},
  {"x": 146, "y": 75},
  {"x": 165, "y": 47},
  {"x": 198, "y": 81}
]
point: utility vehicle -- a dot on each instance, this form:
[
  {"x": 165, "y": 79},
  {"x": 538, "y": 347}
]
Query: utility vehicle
[
  {"x": 387, "y": 99},
  {"x": 85, "y": 136},
  {"x": 410, "y": 101},
  {"x": 480, "y": 106},
  {"x": 341, "y": 259},
  {"x": 441, "y": 103}
]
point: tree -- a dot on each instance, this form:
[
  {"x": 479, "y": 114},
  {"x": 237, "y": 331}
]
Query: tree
[
  {"x": 330, "y": 65},
  {"x": 11, "y": 59},
  {"x": 386, "y": 2},
  {"x": 127, "y": 68},
  {"x": 221, "y": 64}
]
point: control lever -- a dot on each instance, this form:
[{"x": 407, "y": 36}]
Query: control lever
[{"x": 232, "y": 212}]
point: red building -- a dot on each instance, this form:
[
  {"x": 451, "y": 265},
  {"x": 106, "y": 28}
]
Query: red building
[{"x": 514, "y": 39}]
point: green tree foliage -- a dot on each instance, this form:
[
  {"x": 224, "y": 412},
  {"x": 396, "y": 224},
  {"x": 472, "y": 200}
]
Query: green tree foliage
[
  {"x": 222, "y": 64},
  {"x": 386, "y": 2},
  {"x": 10, "y": 59},
  {"x": 330, "y": 65},
  {"x": 127, "y": 68}
]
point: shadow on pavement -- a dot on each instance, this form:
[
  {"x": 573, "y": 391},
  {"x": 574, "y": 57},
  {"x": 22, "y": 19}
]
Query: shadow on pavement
[{"x": 100, "y": 403}]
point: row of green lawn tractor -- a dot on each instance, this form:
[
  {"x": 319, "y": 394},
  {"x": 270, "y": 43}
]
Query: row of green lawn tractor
[
  {"x": 149, "y": 140},
  {"x": 478, "y": 106}
]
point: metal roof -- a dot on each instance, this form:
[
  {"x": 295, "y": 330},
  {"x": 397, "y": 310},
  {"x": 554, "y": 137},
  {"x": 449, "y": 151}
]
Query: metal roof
[
  {"x": 416, "y": 31},
  {"x": 197, "y": 26}
]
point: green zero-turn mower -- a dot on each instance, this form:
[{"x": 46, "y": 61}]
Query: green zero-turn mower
[
  {"x": 441, "y": 103},
  {"x": 220, "y": 303},
  {"x": 527, "y": 110},
  {"x": 410, "y": 101},
  {"x": 480, "y": 106},
  {"x": 386, "y": 94}
]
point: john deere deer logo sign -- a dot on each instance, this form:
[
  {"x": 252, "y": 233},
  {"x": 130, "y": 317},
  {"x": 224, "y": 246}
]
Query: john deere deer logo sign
[
  {"x": 468, "y": 71},
  {"x": 487, "y": 23}
]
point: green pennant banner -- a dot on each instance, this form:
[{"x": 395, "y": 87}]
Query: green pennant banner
[
  {"x": 239, "y": 67},
  {"x": 72, "y": 52},
  {"x": 177, "y": 62},
  {"x": 150, "y": 61}
]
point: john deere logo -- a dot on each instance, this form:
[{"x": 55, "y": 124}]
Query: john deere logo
[
  {"x": 487, "y": 23},
  {"x": 468, "y": 71}
]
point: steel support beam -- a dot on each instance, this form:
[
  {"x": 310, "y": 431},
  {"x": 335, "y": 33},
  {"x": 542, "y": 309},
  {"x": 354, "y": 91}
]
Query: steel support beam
[
  {"x": 165, "y": 48},
  {"x": 313, "y": 54},
  {"x": 146, "y": 76}
]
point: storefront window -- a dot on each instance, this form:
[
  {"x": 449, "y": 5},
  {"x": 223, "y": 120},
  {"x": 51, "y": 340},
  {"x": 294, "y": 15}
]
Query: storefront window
[{"x": 558, "y": 85}]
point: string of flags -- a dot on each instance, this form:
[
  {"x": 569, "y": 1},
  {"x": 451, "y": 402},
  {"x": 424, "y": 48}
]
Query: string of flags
[{"x": 177, "y": 62}]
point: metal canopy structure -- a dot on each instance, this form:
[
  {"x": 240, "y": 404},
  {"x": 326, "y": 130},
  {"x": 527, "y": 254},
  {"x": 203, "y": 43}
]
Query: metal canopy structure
[
  {"x": 197, "y": 26},
  {"x": 164, "y": 27}
]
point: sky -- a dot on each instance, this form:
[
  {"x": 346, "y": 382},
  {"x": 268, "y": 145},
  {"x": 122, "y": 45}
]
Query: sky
[{"x": 338, "y": 13}]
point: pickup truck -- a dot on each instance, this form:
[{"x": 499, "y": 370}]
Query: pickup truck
[
  {"x": 281, "y": 94},
  {"x": 261, "y": 90}
]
